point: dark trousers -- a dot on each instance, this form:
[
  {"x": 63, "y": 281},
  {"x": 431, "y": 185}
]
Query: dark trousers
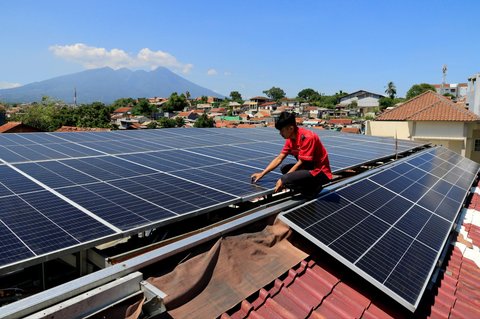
[{"x": 302, "y": 181}]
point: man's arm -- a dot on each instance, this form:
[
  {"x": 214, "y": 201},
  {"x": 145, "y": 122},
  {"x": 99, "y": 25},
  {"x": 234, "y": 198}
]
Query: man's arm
[{"x": 273, "y": 164}]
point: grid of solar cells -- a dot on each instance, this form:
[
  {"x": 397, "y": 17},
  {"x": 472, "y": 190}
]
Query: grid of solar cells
[
  {"x": 36, "y": 222},
  {"x": 153, "y": 176},
  {"x": 44, "y": 146},
  {"x": 391, "y": 226}
]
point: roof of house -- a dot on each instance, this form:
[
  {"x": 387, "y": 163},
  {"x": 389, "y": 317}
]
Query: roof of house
[
  {"x": 340, "y": 121},
  {"x": 354, "y": 130},
  {"x": 124, "y": 109},
  {"x": 359, "y": 93},
  {"x": 320, "y": 287},
  {"x": 81, "y": 129},
  {"x": 429, "y": 106},
  {"x": 17, "y": 127},
  {"x": 8, "y": 126}
]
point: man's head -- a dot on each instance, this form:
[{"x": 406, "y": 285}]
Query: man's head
[{"x": 286, "y": 124}]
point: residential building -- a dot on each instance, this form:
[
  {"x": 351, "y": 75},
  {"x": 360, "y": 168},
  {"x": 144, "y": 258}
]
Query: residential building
[
  {"x": 289, "y": 102},
  {"x": 458, "y": 90},
  {"x": 473, "y": 95},
  {"x": 431, "y": 117},
  {"x": 367, "y": 102}
]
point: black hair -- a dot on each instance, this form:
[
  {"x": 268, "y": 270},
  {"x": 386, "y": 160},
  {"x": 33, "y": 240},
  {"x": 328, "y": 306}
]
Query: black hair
[{"x": 285, "y": 119}]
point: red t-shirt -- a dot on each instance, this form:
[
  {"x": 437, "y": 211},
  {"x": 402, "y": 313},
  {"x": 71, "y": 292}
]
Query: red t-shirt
[{"x": 308, "y": 147}]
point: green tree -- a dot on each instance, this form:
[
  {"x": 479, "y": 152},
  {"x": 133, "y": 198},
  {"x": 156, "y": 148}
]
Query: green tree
[
  {"x": 143, "y": 107},
  {"x": 309, "y": 95},
  {"x": 179, "y": 121},
  {"x": 275, "y": 93},
  {"x": 123, "y": 102},
  {"x": 418, "y": 89},
  {"x": 204, "y": 121},
  {"x": 165, "y": 122},
  {"x": 236, "y": 96},
  {"x": 152, "y": 125},
  {"x": 385, "y": 102},
  {"x": 93, "y": 115},
  {"x": 391, "y": 90},
  {"x": 176, "y": 102},
  {"x": 43, "y": 116}
]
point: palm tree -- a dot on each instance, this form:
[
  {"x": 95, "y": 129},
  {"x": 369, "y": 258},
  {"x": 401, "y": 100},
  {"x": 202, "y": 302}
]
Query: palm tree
[{"x": 391, "y": 90}]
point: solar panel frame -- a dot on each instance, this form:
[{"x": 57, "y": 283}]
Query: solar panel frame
[{"x": 418, "y": 234}]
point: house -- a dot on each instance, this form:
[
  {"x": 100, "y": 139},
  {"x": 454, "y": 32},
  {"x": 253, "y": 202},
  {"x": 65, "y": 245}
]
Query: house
[
  {"x": 122, "y": 111},
  {"x": 65, "y": 128},
  {"x": 17, "y": 127},
  {"x": 458, "y": 90},
  {"x": 431, "y": 117},
  {"x": 289, "y": 102},
  {"x": 190, "y": 116},
  {"x": 366, "y": 102},
  {"x": 269, "y": 106}
]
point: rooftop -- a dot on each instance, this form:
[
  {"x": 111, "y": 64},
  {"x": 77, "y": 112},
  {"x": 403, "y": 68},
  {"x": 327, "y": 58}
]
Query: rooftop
[{"x": 429, "y": 106}]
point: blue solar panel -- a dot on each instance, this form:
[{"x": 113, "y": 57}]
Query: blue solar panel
[
  {"x": 110, "y": 182},
  {"x": 391, "y": 226}
]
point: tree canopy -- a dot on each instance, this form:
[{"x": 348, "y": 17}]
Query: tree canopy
[
  {"x": 176, "y": 102},
  {"x": 391, "y": 90},
  {"x": 236, "y": 96},
  {"x": 49, "y": 115},
  {"x": 275, "y": 93},
  {"x": 204, "y": 121},
  {"x": 309, "y": 95},
  {"x": 418, "y": 89}
]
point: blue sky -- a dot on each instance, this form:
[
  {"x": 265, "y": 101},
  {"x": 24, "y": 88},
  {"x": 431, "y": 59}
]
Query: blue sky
[{"x": 248, "y": 46}]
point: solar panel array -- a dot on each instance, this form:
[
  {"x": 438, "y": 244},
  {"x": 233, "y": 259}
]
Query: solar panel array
[
  {"x": 63, "y": 191},
  {"x": 391, "y": 226}
]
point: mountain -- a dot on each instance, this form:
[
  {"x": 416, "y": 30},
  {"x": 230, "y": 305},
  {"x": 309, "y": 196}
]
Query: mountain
[{"x": 106, "y": 85}]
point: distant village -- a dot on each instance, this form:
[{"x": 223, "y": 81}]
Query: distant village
[{"x": 449, "y": 117}]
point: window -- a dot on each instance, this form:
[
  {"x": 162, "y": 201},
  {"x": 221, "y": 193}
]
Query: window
[{"x": 477, "y": 146}]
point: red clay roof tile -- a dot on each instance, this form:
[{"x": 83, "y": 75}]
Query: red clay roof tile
[
  {"x": 316, "y": 284},
  {"x": 429, "y": 106}
]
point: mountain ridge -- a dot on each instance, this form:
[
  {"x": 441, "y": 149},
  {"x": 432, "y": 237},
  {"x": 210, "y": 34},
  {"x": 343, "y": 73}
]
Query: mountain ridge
[{"x": 105, "y": 85}]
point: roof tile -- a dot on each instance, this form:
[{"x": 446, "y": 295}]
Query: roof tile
[
  {"x": 429, "y": 106},
  {"x": 316, "y": 284}
]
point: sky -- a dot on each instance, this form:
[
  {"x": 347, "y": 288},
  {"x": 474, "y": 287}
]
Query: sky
[{"x": 245, "y": 45}]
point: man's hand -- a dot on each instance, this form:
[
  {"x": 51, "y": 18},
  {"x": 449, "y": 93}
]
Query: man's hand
[
  {"x": 279, "y": 186},
  {"x": 256, "y": 177}
]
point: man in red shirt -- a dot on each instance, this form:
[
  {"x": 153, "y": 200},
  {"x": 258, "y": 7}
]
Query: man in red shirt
[{"x": 312, "y": 169}]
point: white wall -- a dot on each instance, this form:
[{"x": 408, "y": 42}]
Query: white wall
[
  {"x": 439, "y": 129},
  {"x": 401, "y": 129},
  {"x": 473, "y": 95}
]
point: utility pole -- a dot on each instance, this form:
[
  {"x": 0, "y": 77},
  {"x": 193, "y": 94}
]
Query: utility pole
[{"x": 75, "y": 96}]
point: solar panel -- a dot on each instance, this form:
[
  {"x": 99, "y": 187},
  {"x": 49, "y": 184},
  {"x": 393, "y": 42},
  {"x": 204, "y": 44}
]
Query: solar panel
[
  {"x": 391, "y": 226},
  {"x": 121, "y": 181}
]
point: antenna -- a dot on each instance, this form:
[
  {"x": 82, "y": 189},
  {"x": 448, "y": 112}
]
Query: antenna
[{"x": 444, "y": 79}]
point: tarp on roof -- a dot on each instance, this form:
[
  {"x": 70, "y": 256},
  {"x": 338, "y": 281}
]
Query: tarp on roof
[{"x": 209, "y": 284}]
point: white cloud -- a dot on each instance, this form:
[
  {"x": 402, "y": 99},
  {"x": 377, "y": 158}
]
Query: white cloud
[
  {"x": 8, "y": 85},
  {"x": 92, "y": 57},
  {"x": 227, "y": 73},
  {"x": 211, "y": 72}
]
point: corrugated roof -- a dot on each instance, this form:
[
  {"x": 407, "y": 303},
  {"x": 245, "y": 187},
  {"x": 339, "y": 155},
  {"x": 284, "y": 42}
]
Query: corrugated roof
[
  {"x": 319, "y": 287},
  {"x": 429, "y": 106}
]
